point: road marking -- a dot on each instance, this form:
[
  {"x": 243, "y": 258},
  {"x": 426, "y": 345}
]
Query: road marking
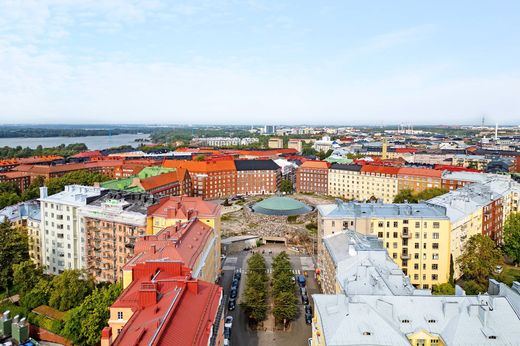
[
  {"x": 231, "y": 260},
  {"x": 296, "y": 271},
  {"x": 307, "y": 263},
  {"x": 228, "y": 268}
]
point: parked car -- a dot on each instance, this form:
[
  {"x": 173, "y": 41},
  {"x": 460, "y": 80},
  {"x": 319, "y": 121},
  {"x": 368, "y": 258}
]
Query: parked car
[
  {"x": 308, "y": 318},
  {"x": 308, "y": 309},
  {"x": 234, "y": 284},
  {"x": 305, "y": 300},
  {"x": 237, "y": 276},
  {"x": 301, "y": 280},
  {"x": 233, "y": 293},
  {"x": 232, "y": 303},
  {"x": 499, "y": 269},
  {"x": 228, "y": 323},
  {"x": 303, "y": 291},
  {"x": 227, "y": 333},
  {"x": 227, "y": 342}
]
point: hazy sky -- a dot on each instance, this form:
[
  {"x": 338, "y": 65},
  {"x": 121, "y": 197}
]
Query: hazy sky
[{"x": 333, "y": 62}]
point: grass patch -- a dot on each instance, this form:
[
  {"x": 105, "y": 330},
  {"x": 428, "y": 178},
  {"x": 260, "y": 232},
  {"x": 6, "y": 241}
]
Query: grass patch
[{"x": 509, "y": 275}]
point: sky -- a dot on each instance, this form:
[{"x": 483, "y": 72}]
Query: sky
[{"x": 263, "y": 62}]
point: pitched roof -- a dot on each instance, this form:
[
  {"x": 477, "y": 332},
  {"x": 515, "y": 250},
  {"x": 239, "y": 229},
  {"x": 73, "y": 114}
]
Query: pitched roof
[
  {"x": 163, "y": 179},
  {"x": 343, "y": 167},
  {"x": 315, "y": 164},
  {"x": 422, "y": 172},
  {"x": 380, "y": 169},
  {"x": 201, "y": 166},
  {"x": 254, "y": 165},
  {"x": 183, "y": 207}
]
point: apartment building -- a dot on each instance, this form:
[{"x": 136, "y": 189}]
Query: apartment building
[
  {"x": 193, "y": 243},
  {"x": 20, "y": 179},
  {"x": 171, "y": 210},
  {"x": 295, "y": 144},
  {"x": 486, "y": 319},
  {"x": 418, "y": 179},
  {"x": 417, "y": 236},
  {"x": 257, "y": 177},
  {"x": 112, "y": 223},
  {"x": 164, "y": 305},
  {"x": 209, "y": 179},
  {"x": 26, "y": 215},
  {"x": 63, "y": 235},
  {"x": 354, "y": 264},
  {"x": 275, "y": 143},
  {"x": 313, "y": 177}
]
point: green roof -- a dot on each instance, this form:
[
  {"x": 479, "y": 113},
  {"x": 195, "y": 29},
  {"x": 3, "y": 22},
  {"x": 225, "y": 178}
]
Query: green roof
[
  {"x": 336, "y": 159},
  {"x": 124, "y": 184},
  {"x": 281, "y": 206}
]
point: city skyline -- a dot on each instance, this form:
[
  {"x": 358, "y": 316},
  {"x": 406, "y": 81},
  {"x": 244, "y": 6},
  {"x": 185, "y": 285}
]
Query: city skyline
[{"x": 259, "y": 62}]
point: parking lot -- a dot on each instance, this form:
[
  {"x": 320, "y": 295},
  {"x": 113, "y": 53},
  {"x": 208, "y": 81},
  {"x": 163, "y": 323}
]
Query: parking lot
[{"x": 298, "y": 331}]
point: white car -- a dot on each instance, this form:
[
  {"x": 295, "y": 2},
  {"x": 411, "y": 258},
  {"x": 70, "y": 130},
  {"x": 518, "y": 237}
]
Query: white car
[
  {"x": 498, "y": 269},
  {"x": 228, "y": 323}
]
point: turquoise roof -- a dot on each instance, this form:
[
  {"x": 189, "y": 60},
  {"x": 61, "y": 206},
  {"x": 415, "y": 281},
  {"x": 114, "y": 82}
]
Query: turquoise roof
[{"x": 281, "y": 206}]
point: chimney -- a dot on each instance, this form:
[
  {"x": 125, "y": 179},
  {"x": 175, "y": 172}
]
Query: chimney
[
  {"x": 106, "y": 336},
  {"x": 44, "y": 192},
  {"x": 147, "y": 294},
  {"x": 193, "y": 286}
]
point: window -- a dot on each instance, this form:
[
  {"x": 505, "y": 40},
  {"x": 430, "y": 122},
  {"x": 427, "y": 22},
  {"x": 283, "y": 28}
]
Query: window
[
  {"x": 436, "y": 225},
  {"x": 435, "y": 246},
  {"x": 416, "y": 266},
  {"x": 120, "y": 315},
  {"x": 435, "y": 235},
  {"x": 380, "y": 224},
  {"x": 416, "y": 245},
  {"x": 396, "y": 235},
  {"x": 417, "y": 225},
  {"x": 380, "y": 234},
  {"x": 394, "y": 255},
  {"x": 435, "y": 277},
  {"x": 396, "y": 224},
  {"x": 435, "y": 266}
]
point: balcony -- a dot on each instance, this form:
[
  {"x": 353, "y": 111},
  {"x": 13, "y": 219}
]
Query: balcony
[
  {"x": 405, "y": 256},
  {"x": 405, "y": 235}
]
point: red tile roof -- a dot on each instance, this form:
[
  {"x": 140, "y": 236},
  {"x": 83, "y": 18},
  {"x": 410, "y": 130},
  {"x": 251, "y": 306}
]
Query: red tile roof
[
  {"x": 380, "y": 169},
  {"x": 315, "y": 164},
  {"x": 422, "y": 172},
  {"x": 182, "y": 242},
  {"x": 169, "y": 309},
  {"x": 202, "y": 166},
  {"x": 163, "y": 179},
  {"x": 182, "y": 207}
]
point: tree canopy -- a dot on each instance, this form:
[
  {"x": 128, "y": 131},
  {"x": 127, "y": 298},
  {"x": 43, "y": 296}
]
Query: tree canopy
[
  {"x": 69, "y": 289},
  {"x": 14, "y": 248},
  {"x": 408, "y": 195},
  {"x": 512, "y": 237},
  {"x": 255, "y": 293}
]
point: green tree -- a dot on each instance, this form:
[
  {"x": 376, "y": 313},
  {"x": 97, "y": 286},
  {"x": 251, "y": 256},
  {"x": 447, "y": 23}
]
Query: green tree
[
  {"x": 445, "y": 289},
  {"x": 479, "y": 259},
  {"x": 255, "y": 293},
  {"x": 323, "y": 155},
  {"x": 84, "y": 323},
  {"x": 285, "y": 306},
  {"x": 405, "y": 195},
  {"x": 430, "y": 193},
  {"x": 14, "y": 248},
  {"x": 37, "y": 296},
  {"x": 286, "y": 186},
  {"x": 512, "y": 237},
  {"x": 69, "y": 289},
  {"x": 56, "y": 185},
  {"x": 26, "y": 275}
]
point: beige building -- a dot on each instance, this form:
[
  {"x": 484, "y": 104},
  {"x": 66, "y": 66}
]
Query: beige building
[
  {"x": 275, "y": 143},
  {"x": 363, "y": 183},
  {"x": 416, "y": 236},
  {"x": 295, "y": 144}
]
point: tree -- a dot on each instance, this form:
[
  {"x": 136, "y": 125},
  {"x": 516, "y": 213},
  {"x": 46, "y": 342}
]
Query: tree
[
  {"x": 323, "y": 155},
  {"x": 255, "y": 294},
  {"x": 445, "y": 289},
  {"x": 26, "y": 275},
  {"x": 84, "y": 323},
  {"x": 14, "y": 248},
  {"x": 512, "y": 237},
  {"x": 286, "y": 186},
  {"x": 285, "y": 303},
  {"x": 405, "y": 195},
  {"x": 56, "y": 185},
  {"x": 479, "y": 259},
  {"x": 37, "y": 296},
  {"x": 69, "y": 289},
  {"x": 430, "y": 193},
  {"x": 285, "y": 306}
]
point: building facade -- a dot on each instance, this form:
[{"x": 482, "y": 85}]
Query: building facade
[
  {"x": 257, "y": 177},
  {"x": 313, "y": 177},
  {"x": 416, "y": 236},
  {"x": 63, "y": 235}
]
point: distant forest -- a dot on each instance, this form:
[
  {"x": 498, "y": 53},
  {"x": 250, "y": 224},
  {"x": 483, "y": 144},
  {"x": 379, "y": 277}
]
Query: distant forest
[{"x": 35, "y": 132}]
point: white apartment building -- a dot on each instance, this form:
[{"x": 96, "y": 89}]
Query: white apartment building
[{"x": 62, "y": 231}]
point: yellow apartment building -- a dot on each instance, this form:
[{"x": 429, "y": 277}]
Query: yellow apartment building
[{"x": 416, "y": 236}]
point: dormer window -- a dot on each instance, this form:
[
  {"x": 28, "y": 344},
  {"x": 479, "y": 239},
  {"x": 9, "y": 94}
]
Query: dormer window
[
  {"x": 367, "y": 333},
  {"x": 432, "y": 321},
  {"x": 405, "y": 321}
]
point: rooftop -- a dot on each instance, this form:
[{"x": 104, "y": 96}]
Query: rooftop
[
  {"x": 76, "y": 195},
  {"x": 393, "y": 210},
  {"x": 256, "y": 165},
  {"x": 182, "y": 207},
  {"x": 281, "y": 206},
  {"x": 390, "y": 320},
  {"x": 25, "y": 210}
]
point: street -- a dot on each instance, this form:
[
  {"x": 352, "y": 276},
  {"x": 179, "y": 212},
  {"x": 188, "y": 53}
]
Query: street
[{"x": 298, "y": 331}]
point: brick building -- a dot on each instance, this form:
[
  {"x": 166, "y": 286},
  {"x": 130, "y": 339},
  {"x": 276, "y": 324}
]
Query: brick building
[
  {"x": 209, "y": 179},
  {"x": 20, "y": 179},
  {"x": 313, "y": 176},
  {"x": 257, "y": 177}
]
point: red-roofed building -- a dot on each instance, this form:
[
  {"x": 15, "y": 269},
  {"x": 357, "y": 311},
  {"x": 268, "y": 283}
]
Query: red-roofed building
[
  {"x": 193, "y": 243},
  {"x": 87, "y": 154},
  {"x": 174, "y": 183},
  {"x": 171, "y": 210},
  {"x": 165, "y": 306},
  {"x": 106, "y": 167},
  {"x": 312, "y": 176},
  {"x": 419, "y": 179},
  {"x": 20, "y": 179},
  {"x": 210, "y": 179}
]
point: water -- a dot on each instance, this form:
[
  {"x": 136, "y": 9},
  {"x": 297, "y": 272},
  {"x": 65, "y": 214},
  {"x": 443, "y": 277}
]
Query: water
[{"x": 92, "y": 142}]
